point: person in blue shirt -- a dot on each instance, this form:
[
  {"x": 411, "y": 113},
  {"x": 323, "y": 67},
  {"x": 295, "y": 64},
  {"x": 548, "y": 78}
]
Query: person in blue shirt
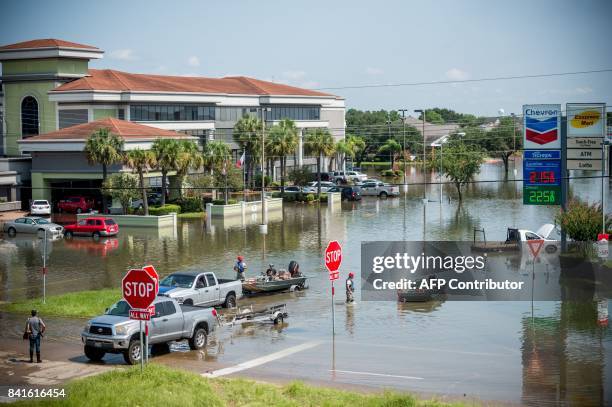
[{"x": 240, "y": 268}]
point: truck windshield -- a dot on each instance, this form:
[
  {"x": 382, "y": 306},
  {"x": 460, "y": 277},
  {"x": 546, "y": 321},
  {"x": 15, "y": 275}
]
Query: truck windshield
[
  {"x": 178, "y": 280},
  {"x": 120, "y": 308}
]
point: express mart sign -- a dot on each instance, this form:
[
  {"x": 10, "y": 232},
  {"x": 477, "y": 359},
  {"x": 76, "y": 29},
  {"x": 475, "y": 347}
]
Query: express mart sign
[{"x": 542, "y": 126}]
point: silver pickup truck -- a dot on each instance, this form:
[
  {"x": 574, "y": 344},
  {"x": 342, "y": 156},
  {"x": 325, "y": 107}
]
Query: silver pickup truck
[
  {"x": 201, "y": 288},
  {"x": 115, "y": 332},
  {"x": 374, "y": 187}
]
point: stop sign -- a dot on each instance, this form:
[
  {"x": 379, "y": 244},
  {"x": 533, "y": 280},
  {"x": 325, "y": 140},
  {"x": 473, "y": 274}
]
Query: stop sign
[
  {"x": 333, "y": 256},
  {"x": 139, "y": 288},
  {"x": 153, "y": 273}
]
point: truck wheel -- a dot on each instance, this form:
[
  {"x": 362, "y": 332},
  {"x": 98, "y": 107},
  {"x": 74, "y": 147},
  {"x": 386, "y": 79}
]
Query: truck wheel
[
  {"x": 94, "y": 354},
  {"x": 188, "y": 302},
  {"x": 230, "y": 301},
  {"x": 133, "y": 353},
  {"x": 199, "y": 338},
  {"x": 278, "y": 320},
  {"x": 383, "y": 194}
]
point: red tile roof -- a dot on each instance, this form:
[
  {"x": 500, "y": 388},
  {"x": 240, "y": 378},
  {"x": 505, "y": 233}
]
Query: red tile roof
[
  {"x": 109, "y": 79},
  {"x": 45, "y": 43},
  {"x": 127, "y": 130}
]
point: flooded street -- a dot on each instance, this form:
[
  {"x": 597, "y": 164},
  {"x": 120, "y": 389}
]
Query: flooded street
[{"x": 522, "y": 352}]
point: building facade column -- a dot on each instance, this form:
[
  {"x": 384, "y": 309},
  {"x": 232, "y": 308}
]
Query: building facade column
[{"x": 300, "y": 148}]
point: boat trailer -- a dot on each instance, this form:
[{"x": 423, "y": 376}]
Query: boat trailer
[{"x": 275, "y": 314}]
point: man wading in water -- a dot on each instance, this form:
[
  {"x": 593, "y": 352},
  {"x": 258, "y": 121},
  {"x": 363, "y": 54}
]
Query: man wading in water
[
  {"x": 350, "y": 288},
  {"x": 35, "y": 328}
]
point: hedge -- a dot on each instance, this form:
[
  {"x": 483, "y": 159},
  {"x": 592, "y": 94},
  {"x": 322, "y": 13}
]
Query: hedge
[{"x": 164, "y": 210}]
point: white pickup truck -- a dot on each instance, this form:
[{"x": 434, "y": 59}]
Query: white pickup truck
[
  {"x": 373, "y": 187},
  {"x": 201, "y": 288},
  {"x": 543, "y": 233}
]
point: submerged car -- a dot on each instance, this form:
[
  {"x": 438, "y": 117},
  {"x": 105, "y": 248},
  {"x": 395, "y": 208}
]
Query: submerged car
[
  {"x": 30, "y": 224},
  {"x": 40, "y": 207},
  {"x": 94, "y": 226}
]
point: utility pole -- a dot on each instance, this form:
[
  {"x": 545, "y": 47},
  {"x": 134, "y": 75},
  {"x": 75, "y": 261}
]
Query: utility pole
[
  {"x": 263, "y": 228},
  {"x": 422, "y": 111},
  {"x": 403, "y": 112}
]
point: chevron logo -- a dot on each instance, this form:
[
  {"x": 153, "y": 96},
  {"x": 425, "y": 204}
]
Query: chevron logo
[{"x": 541, "y": 131}]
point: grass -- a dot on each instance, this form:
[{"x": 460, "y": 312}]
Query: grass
[
  {"x": 160, "y": 385},
  {"x": 191, "y": 215},
  {"x": 81, "y": 304}
]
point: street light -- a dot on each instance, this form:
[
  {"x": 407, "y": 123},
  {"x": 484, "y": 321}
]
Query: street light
[
  {"x": 263, "y": 228},
  {"x": 422, "y": 111},
  {"x": 403, "y": 112}
]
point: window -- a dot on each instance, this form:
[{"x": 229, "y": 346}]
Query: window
[
  {"x": 20, "y": 220},
  {"x": 98, "y": 222},
  {"x": 201, "y": 283},
  {"x": 29, "y": 116},
  {"x": 91, "y": 222},
  {"x": 211, "y": 280},
  {"x": 71, "y": 117},
  {"x": 531, "y": 236},
  {"x": 169, "y": 308},
  {"x": 109, "y": 222},
  {"x": 121, "y": 114},
  {"x": 82, "y": 222},
  {"x": 28, "y": 221}
]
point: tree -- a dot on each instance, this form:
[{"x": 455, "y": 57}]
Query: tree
[
  {"x": 247, "y": 134},
  {"x": 283, "y": 141},
  {"x": 355, "y": 145},
  {"x": 140, "y": 161},
  {"x": 432, "y": 116},
  {"x": 391, "y": 147},
  {"x": 504, "y": 140},
  {"x": 104, "y": 148},
  {"x": 215, "y": 154},
  {"x": 460, "y": 163},
  {"x": 189, "y": 157},
  {"x": 167, "y": 152},
  {"x": 581, "y": 221},
  {"x": 320, "y": 143},
  {"x": 123, "y": 187},
  {"x": 300, "y": 176}
]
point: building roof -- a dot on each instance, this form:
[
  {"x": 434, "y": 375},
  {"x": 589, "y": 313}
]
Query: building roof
[
  {"x": 112, "y": 80},
  {"x": 45, "y": 43},
  {"x": 432, "y": 131},
  {"x": 127, "y": 130}
]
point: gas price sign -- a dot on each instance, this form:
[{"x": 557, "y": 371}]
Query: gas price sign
[{"x": 542, "y": 177}]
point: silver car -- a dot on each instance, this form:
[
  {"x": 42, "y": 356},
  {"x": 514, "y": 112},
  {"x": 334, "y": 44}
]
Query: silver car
[{"x": 31, "y": 224}]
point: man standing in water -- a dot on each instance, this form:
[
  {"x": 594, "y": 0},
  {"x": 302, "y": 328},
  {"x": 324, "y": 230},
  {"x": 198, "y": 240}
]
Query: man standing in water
[
  {"x": 35, "y": 328},
  {"x": 350, "y": 288},
  {"x": 239, "y": 268}
]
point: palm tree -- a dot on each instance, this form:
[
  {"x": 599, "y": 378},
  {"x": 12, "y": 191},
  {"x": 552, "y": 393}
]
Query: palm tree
[
  {"x": 215, "y": 154},
  {"x": 319, "y": 142},
  {"x": 140, "y": 161},
  {"x": 392, "y": 147},
  {"x": 282, "y": 141},
  {"x": 356, "y": 145},
  {"x": 190, "y": 157},
  {"x": 104, "y": 148},
  {"x": 247, "y": 134},
  {"x": 167, "y": 152}
]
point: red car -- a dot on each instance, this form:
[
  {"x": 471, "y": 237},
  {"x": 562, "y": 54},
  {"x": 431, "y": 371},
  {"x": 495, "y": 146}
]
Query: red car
[
  {"x": 76, "y": 204},
  {"x": 94, "y": 226}
]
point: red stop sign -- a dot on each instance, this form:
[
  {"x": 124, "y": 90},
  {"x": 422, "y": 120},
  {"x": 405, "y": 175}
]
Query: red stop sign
[
  {"x": 153, "y": 273},
  {"x": 139, "y": 288},
  {"x": 333, "y": 256}
]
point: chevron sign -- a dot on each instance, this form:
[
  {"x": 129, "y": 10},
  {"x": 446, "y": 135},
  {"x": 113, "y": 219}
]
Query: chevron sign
[{"x": 542, "y": 126}]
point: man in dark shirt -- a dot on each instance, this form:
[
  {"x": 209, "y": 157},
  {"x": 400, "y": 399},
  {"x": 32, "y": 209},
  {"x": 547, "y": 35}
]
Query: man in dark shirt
[{"x": 35, "y": 327}]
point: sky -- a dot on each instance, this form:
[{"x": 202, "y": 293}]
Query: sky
[{"x": 331, "y": 44}]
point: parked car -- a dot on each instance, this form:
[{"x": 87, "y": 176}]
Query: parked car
[
  {"x": 115, "y": 332},
  {"x": 152, "y": 199},
  {"x": 31, "y": 224},
  {"x": 76, "y": 204},
  {"x": 94, "y": 226},
  {"x": 40, "y": 207},
  {"x": 347, "y": 176},
  {"x": 201, "y": 288},
  {"x": 350, "y": 193},
  {"x": 325, "y": 185},
  {"x": 293, "y": 189},
  {"x": 374, "y": 187}
]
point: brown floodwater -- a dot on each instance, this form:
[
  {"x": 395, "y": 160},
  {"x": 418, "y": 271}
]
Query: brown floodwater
[{"x": 536, "y": 353}]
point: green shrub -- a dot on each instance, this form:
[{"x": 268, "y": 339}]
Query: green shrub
[
  {"x": 289, "y": 198},
  {"x": 164, "y": 210},
  {"x": 190, "y": 205},
  {"x": 310, "y": 198},
  {"x": 276, "y": 194},
  {"x": 323, "y": 198},
  {"x": 581, "y": 221},
  {"x": 267, "y": 180},
  {"x": 388, "y": 173},
  {"x": 222, "y": 202}
]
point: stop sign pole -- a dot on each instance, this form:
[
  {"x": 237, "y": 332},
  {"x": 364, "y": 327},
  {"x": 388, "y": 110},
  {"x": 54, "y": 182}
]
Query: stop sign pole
[
  {"x": 140, "y": 287},
  {"x": 333, "y": 258}
]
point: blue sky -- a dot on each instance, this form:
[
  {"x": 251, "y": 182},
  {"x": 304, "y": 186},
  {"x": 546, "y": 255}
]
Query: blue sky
[{"x": 318, "y": 44}]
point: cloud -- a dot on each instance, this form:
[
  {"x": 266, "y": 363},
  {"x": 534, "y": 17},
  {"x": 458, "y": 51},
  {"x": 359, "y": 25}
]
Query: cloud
[
  {"x": 456, "y": 74},
  {"x": 125, "y": 54},
  {"x": 193, "y": 61},
  {"x": 294, "y": 75},
  {"x": 374, "y": 71}
]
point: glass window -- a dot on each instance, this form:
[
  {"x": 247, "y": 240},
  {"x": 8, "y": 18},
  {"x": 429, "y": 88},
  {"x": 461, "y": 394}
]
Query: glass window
[
  {"x": 20, "y": 220},
  {"x": 169, "y": 308},
  {"x": 121, "y": 309},
  {"x": 28, "y": 221},
  {"x": 121, "y": 114},
  {"x": 211, "y": 280},
  {"x": 29, "y": 116},
  {"x": 178, "y": 280}
]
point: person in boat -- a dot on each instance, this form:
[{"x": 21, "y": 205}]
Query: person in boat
[
  {"x": 294, "y": 269},
  {"x": 240, "y": 268},
  {"x": 271, "y": 272},
  {"x": 350, "y": 288}
]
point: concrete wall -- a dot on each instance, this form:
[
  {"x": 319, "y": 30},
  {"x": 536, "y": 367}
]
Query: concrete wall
[
  {"x": 104, "y": 113},
  {"x": 45, "y": 66},
  {"x": 243, "y": 208},
  {"x": 68, "y": 162}
]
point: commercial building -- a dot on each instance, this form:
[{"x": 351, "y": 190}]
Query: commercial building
[{"x": 47, "y": 86}]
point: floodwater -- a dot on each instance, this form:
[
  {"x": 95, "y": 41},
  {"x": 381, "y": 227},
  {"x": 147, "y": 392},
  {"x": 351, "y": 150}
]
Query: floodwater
[{"x": 523, "y": 352}]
